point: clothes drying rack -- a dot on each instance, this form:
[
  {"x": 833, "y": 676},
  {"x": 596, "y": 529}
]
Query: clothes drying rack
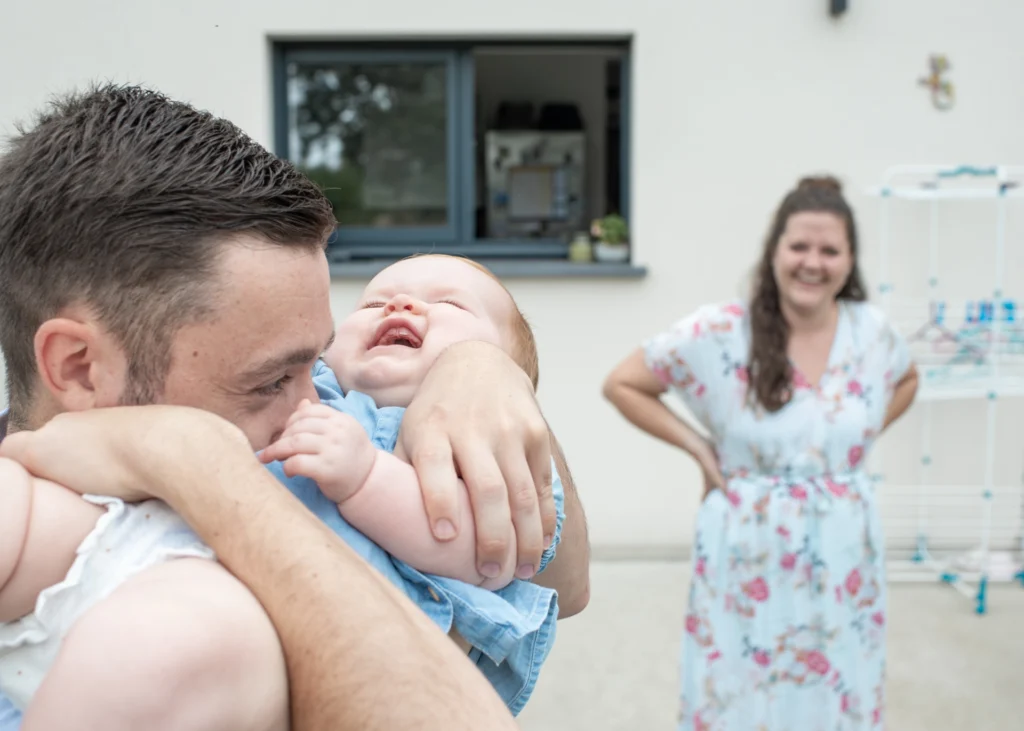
[{"x": 964, "y": 350}]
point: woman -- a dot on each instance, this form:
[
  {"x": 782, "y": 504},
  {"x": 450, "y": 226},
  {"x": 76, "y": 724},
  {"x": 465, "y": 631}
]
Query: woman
[{"x": 785, "y": 627}]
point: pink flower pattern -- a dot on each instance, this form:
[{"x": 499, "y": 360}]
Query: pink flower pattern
[{"x": 787, "y": 591}]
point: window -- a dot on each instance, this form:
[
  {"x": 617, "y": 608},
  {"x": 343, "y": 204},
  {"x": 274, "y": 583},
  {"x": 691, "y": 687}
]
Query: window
[{"x": 489, "y": 150}]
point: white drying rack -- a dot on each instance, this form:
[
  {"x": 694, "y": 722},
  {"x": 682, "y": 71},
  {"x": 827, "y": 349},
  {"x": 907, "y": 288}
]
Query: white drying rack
[{"x": 963, "y": 350}]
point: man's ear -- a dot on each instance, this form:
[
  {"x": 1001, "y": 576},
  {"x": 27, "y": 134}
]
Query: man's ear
[{"x": 79, "y": 364}]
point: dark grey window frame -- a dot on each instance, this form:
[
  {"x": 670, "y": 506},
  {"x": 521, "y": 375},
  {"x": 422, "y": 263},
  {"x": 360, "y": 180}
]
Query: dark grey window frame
[{"x": 458, "y": 236}]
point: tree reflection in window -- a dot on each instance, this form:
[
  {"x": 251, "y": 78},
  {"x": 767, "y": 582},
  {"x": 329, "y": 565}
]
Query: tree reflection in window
[{"x": 374, "y": 137}]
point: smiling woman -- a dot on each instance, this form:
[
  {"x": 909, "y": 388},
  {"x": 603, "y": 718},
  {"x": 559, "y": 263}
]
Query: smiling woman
[
  {"x": 809, "y": 262},
  {"x": 793, "y": 387}
]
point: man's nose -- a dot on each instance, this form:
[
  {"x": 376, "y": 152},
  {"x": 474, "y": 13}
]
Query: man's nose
[{"x": 307, "y": 390}]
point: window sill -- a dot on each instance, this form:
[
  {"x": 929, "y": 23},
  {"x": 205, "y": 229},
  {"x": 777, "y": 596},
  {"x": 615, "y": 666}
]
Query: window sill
[{"x": 510, "y": 269}]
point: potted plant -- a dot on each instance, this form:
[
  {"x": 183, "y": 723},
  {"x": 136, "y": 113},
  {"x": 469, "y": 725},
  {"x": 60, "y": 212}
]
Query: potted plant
[{"x": 612, "y": 238}]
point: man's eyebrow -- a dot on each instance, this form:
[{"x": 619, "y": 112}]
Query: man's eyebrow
[{"x": 273, "y": 366}]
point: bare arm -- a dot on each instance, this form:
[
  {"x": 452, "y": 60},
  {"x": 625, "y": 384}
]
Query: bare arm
[
  {"x": 357, "y": 649},
  {"x": 41, "y": 526},
  {"x": 340, "y": 641},
  {"x": 569, "y": 571},
  {"x": 477, "y": 409},
  {"x": 636, "y": 392},
  {"x": 15, "y": 510},
  {"x": 379, "y": 493},
  {"x": 902, "y": 397},
  {"x": 389, "y": 510}
]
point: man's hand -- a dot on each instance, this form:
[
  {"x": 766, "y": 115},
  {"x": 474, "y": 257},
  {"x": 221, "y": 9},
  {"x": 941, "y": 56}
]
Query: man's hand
[
  {"x": 326, "y": 446},
  {"x": 476, "y": 416},
  {"x": 123, "y": 451}
]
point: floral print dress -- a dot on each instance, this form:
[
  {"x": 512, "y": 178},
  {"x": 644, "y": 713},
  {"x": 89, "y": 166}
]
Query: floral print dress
[{"x": 785, "y": 629}]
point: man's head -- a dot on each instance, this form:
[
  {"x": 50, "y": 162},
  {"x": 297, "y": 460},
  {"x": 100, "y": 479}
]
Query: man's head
[
  {"x": 152, "y": 252},
  {"x": 411, "y": 312}
]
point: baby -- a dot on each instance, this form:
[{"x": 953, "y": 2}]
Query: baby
[
  {"x": 384, "y": 350},
  {"x": 61, "y": 555}
]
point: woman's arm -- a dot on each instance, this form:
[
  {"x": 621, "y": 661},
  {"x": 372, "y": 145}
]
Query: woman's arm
[
  {"x": 636, "y": 392},
  {"x": 902, "y": 397}
]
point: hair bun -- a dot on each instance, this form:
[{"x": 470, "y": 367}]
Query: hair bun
[{"x": 822, "y": 182}]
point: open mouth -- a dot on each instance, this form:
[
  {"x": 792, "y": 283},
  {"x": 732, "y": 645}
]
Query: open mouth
[{"x": 397, "y": 332}]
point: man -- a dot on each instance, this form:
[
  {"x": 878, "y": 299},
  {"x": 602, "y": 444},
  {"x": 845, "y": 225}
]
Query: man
[{"x": 150, "y": 253}]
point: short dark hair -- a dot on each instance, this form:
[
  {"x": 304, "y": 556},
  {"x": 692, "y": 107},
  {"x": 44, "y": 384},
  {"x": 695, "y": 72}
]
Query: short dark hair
[{"x": 119, "y": 199}]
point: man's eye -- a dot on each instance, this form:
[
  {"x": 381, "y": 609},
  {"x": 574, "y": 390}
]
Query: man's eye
[{"x": 272, "y": 389}]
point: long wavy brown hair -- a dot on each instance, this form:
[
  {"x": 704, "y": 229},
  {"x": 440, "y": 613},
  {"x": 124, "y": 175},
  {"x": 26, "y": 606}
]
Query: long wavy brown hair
[{"x": 770, "y": 371}]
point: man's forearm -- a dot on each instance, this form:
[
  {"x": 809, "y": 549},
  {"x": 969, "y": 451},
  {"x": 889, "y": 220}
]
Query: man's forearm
[
  {"x": 569, "y": 572},
  {"x": 360, "y": 655}
]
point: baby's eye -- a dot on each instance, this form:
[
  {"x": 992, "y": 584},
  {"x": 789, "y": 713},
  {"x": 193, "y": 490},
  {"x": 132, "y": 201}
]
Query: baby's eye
[
  {"x": 452, "y": 303},
  {"x": 371, "y": 304}
]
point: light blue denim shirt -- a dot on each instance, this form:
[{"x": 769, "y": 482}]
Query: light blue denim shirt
[{"x": 511, "y": 630}]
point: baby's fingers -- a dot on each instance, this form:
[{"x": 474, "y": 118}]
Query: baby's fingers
[
  {"x": 308, "y": 409},
  {"x": 306, "y": 465},
  {"x": 291, "y": 444}
]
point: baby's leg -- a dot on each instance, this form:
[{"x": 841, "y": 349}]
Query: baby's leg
[{"x": 181, "y": 646}]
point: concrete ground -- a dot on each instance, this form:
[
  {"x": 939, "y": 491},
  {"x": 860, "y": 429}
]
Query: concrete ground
[{"x": 614, "y": 667}]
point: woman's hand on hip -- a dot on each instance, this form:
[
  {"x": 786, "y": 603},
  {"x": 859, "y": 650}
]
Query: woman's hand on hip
[{"x": 707, "y": 458}]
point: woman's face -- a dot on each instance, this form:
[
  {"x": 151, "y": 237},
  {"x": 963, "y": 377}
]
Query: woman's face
[{"x": 812, "y": 261}]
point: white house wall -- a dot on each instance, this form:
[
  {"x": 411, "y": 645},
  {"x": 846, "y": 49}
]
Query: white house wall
[{"x": 731, "y": 102}]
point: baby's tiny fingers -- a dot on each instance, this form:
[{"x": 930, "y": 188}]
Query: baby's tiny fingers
[{"x": 305, "y": 465}]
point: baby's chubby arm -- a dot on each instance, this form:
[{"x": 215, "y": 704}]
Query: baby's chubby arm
[
  {"x": 379, "y": 494},
  {"x": 15, "y": 511},
  {"x": 41, "y": 525}
]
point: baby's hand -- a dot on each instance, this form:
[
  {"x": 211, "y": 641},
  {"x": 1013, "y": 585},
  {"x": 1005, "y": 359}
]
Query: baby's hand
[{"x": 326, "y": 446}]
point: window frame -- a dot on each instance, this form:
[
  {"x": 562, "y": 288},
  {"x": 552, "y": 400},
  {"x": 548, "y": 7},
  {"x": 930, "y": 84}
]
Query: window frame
[{"x": 458, "y": 237}]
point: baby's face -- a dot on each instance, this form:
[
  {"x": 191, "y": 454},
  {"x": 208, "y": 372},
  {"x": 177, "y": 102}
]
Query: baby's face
[{"x": 408, "y": 314}]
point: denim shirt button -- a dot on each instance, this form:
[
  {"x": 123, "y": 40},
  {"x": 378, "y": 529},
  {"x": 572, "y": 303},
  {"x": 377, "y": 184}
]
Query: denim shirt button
[{"x": 433, "y": 594}]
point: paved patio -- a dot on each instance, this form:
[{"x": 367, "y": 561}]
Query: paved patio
[{"x": 614, "y": 667}]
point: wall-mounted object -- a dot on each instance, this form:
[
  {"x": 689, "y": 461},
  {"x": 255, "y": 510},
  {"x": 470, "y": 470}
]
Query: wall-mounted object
[
  {"x": 942, "y": 92},
  {"x": 837, "y": 7}
]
